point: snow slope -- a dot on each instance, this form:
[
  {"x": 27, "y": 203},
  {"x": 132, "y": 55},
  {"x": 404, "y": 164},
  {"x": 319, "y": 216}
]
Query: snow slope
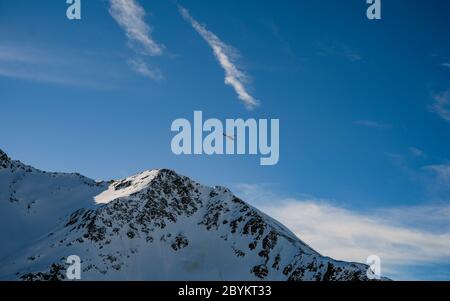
[{"x": 156, "y": 225}]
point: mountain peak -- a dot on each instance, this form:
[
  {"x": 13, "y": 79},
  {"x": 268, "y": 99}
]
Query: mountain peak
[
  {"x": 139, "y": 182},
  {"x": 5, "y": 161},
  {"x": 155, "y": 225},
  {"x": 127, "y": 187}
]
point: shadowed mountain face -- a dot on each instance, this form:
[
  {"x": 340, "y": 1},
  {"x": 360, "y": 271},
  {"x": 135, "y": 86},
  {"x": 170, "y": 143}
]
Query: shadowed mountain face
[
  {"x": 4, "y": 160},
  {"x": 156, "y": 225}
]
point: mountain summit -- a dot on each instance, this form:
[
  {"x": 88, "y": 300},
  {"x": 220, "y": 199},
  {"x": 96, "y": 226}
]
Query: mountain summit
[
  {"x": 156, "y": 225},
  {"x": 4, "y": 160}
]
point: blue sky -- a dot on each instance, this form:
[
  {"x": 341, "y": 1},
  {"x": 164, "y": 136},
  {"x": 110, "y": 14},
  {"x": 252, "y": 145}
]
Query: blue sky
[{"x": 364, "y": 107}]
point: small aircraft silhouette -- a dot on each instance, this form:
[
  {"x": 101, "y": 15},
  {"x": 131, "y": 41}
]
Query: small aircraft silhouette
[{"x": 228, "y": 136}]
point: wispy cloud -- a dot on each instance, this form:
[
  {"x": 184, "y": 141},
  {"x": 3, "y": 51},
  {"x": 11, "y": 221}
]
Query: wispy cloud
[
  {"x": 373, "y": 124},
  {"x": 348, "y": 235},
  {"x": 446, "y": 64},
  {"x": 442, "y": 174},
  {"x": 12, "y": 54},
  {"x": 441, "y": 105},
  {"x": 416, "y": 152},
  {"x": 339, "y": 49},
  {"x": 142, "y": 68},
  {"x": 40, "y": 65},
  {"x": 131, "y": 17},
  {"x": 404, "y": 238},
  {"x": 50, "y": 78},
  {"x": 225, "y": 55},
  {"x": 285, "y": 45},
  {"x": 434, "y": 179}
]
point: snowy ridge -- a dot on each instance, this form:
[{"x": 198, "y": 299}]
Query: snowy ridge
[
  {"x": 156, "y": 225},
  {"x": 126, "y": 187}
]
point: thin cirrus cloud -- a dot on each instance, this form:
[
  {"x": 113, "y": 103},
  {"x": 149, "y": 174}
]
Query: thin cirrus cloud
[
  {"x": 441, "y": 173},
  {"x": 339, "y": 49},
  {"x": 131, "y": 18},
  {"x": 441, "y": 105},
  {"x": 36, "y": 75},
  {"x": 225, "y": 55},
  {"x": 14, "y": 54},
  {"x": 416, "y": 152},
  {"x": 143, "y": 69},
  {"x": 373, "y": 124},
  {"x": 403, "y": 237},
  {"x": 22, "y": 62}
]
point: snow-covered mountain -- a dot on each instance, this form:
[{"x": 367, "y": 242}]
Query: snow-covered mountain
[{"x": 156, "y": 225}]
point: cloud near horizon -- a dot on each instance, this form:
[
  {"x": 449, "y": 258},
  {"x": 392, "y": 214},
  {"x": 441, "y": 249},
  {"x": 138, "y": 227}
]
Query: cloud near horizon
[
  {"x": 225, "y": 55},
  {"x": 403, "y": 237}
]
